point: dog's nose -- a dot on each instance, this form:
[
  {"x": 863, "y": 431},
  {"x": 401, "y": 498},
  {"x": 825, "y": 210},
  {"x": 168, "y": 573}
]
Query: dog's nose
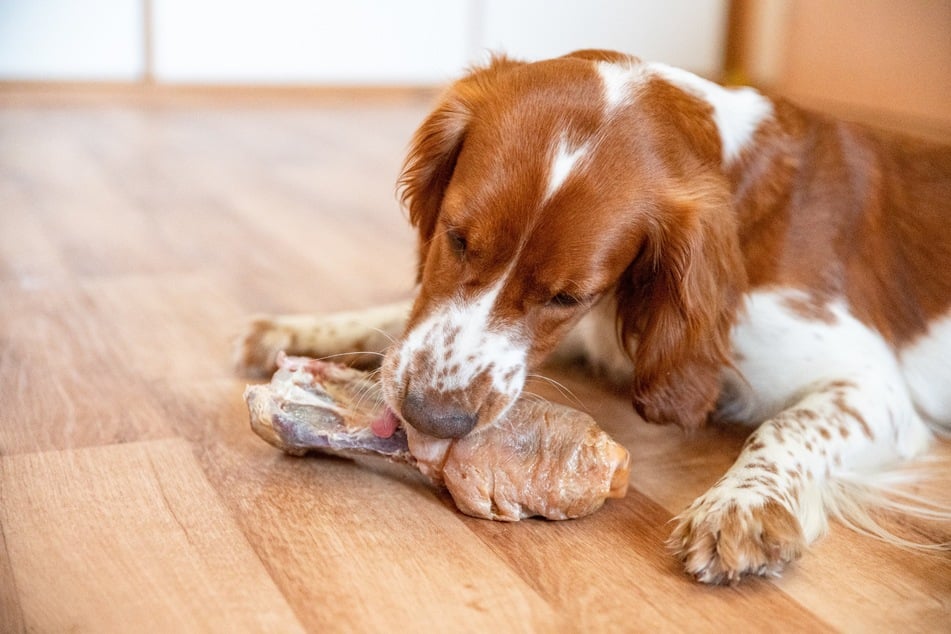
[{"x": 442, "y": 420}]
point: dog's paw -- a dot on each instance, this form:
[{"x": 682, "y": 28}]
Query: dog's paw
[
  {"x": 721, "y": 540},
  {"x": 255, "y": 350}
]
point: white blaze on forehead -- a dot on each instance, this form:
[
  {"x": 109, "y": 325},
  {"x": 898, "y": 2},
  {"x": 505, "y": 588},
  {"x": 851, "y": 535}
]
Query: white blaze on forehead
[
  {"x": 565, "y": 159},
  {"x": 617, "y": 80},
  {"x": 463, "y": 343},
  {"x": 737, "y": 112}
]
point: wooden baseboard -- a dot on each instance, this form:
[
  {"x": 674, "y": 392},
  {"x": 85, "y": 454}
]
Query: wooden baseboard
[
  {"x": 40, "y": 92},
  {"x": 146, "y": 94}
]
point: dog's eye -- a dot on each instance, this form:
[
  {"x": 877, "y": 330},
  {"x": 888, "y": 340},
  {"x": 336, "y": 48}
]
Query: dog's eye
[
  {"x": 564, "y": 300},
  {"x": 457, "y": 243}
]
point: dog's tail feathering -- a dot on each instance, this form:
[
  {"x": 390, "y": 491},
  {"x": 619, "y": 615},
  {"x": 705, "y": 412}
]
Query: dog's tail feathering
[{"x": 872, "y": 504}]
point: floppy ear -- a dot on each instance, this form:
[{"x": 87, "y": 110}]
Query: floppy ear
[
  {"x": 435, "y": 148},
  {"x": 679, "y": 301}
]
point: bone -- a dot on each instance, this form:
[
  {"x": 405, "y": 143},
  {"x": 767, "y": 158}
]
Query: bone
[{"x": 541, "y": 459}]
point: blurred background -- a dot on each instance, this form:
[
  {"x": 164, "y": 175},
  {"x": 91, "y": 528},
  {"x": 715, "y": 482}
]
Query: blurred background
[{"x": 885, "y": 61}]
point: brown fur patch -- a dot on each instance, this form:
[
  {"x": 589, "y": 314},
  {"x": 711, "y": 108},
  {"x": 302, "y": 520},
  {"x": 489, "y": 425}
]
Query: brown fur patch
[{"x": 837, "y": 210}]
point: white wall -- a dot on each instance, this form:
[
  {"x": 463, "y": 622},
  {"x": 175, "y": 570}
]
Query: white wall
[
  {"x": 88, "y": 40},
  {"x": 301, "y": 41},
  {"x": 339, "y": 42},
  {"x": 687, "y": 33}
]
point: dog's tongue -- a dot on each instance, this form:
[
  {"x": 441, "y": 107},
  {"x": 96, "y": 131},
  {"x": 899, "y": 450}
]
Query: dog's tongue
[{"x": 385, "y": 426}]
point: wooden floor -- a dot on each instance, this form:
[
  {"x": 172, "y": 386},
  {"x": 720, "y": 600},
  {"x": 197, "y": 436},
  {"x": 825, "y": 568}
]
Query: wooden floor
[{"x": 135, "y": 238}]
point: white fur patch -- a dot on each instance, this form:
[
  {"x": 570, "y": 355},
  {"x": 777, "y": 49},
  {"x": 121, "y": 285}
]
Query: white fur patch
[
  {"x": 564, "y": 161},
  {"x": 737, "y": 112},
  {"x": 927, "y": 370},
  {"x": 785, "y": 356},
  {"x": 618, "y": 80},
  {"x": 833, "y": 405},
  {"x": 462, "y": 343}
]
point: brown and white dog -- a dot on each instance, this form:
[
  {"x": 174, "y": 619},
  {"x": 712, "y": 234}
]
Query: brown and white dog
[{"x": 730, "y": 255}]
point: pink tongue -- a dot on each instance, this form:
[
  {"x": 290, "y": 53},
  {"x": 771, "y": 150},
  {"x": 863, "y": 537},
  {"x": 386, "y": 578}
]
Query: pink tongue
[{"x": 386, "y": 425}]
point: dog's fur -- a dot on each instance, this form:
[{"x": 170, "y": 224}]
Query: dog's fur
[{"x": 726, "y": 253}]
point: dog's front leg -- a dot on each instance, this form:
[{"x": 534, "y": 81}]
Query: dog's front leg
[
  {"x": 354, "y": 337},
  {"x": 795, "y": 470}
]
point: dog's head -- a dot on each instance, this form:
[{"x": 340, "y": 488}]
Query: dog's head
[{"x": 537, "y": 189}]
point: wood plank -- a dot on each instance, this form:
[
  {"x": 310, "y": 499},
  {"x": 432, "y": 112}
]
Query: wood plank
[
  {"x": 366, "y": 547},
  {"x": 612, "y": 568},
  {"x": 135, "y": 241},
  {"x": 411, "y": 565},
  {"x": 111, "y": 338},
  {"x": 11, "y": 614},
  {"x": 131, "y": 536},
  {"x": 863, "y": 585},
  {"x": 54, "y": 356},
  {"x": 673, "y": 468},
  {"x": 914, "y": 584},
  {"x": 27, "y": 256}
]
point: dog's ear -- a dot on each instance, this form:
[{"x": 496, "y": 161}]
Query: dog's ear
[
  {"x": 435, "y": 148},
  {"x": 678, "y": 302}
]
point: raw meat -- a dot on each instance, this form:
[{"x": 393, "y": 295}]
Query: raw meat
[{"x": 541, "y": 459}]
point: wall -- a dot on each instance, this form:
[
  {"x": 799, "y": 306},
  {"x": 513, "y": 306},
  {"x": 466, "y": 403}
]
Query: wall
[
  {"x": 92, "y": 40},
  {"x": 331, "y": 42},
  {"x": 872, "y": 55},
  {"x": 879, "y": 61}
]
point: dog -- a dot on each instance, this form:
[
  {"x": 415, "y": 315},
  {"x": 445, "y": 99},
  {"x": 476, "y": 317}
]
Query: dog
[{"x": 723, "y": 253}]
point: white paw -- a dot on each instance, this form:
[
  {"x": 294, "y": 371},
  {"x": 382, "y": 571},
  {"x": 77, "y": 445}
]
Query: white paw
[
  {"x": 351, "y": 338},
  {"x": 720, "y": 538},
  {"x": 255, "y": 350}
]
